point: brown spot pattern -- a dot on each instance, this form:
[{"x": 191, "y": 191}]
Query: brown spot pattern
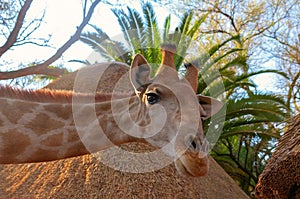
[
  {"x": 13, "y": 147},
  {"x": 53, "y": 140},
  {"x": 60, "y": 111},
  {"x": 43, "y": 155},
  {"x": 14, "y": 112},
  {"x": 43, "y": 124}
]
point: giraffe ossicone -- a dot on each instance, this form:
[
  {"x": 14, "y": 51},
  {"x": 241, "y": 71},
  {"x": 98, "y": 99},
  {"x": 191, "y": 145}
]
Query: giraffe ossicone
[{"x": 47, "y": 125}]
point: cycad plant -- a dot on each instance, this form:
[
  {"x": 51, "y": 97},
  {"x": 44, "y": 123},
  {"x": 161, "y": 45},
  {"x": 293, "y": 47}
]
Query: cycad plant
[
  {"x": 248, "y": 134},
  {"x": 143, "y": 35},
  {"x": 246, "y": 123}
]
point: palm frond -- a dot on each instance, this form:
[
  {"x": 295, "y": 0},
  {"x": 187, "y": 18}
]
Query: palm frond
[
  {"x": 216, "y": 47},
  {"x": 185, "y": 34},
  {"x": 251, "y": 74},
  {"x": 238, "y": 61},
  {"x": 208, "y": 65},
  {"x": 125, "y": 26},
  {"x": 185, "y": 23},
  {"x": 166, "y": 30},
  {"x": 192, "y": 31},
  {"x": 253, "y": 126},
  {"x": 152, "y": 33},
  {"x": 109, "y": 49},
  {"x": 85, "y": 62},
  {"x": 262, "y": 106},
  {"x": 136, "y": 31},
  {"x": 250, "y": 130},
  {"x": 94, "y": 40}
]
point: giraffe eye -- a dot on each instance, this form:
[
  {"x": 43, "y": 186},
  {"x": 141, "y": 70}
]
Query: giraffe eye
[{"x": 152, "y": 98}]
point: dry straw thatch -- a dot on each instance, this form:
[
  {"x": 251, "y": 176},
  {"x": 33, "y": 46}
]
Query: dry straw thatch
[
  {"x": 281, "y": 176},
  {"x": 86, "y": 177}
]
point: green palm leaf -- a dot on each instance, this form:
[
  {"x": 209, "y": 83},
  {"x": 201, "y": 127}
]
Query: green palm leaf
[
  {"x": 224, "y": 73},
  {"x": 216, "y": 47},
  {"x": 166, "y": 30},
  {"x": 152, "y": 33},
  {"x": 125, "y": 27},
  {"x": 259, "y": 105},
  {"x": 101, "y": 43},
  {"x": 184, "y": 35}
]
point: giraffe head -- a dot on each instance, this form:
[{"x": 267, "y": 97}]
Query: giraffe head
[{"x": 170, "y": 115}]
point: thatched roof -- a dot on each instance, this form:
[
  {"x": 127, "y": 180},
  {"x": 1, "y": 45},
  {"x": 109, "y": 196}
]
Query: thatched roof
[
  {"x": 86, "y": 177},
  {"x": 106, "y": 78},
  {"x": 281, "y": 176}
]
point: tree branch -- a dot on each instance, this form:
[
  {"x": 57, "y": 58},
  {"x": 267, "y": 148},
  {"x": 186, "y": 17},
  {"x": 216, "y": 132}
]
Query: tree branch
[
  {"x": 18, "y": 25},
  {"x": 215, "y": 31},
  {"x": 43, "y": 68},
  {"x": 291, "y": 88},
  {"x": 34, "y": 70},
  {"x": 219, "y": 11}
]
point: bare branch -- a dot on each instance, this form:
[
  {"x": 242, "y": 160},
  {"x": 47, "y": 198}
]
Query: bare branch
[
  {"x": 43, "y": 68},
  {"x": 28, "y": 30},
  {"x": 291, "y": 88},
  {"x": 215, "y": 31},
  {"x": 73, "y": 38},
  {"x": 219, "y": 11},
  {"x": 43, "y": 43},
  {"x": 14, "y": 34},
  {"x": 84, "y": 8},
  {"x": 37, "y": 70}
]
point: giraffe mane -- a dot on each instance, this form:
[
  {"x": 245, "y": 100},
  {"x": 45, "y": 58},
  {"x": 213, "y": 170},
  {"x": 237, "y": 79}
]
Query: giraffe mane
[{"x": 55, "y": 96}]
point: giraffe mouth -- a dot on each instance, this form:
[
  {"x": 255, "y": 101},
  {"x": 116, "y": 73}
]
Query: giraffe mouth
[
  {"x": 182, "y": 169},
  {"x": 193, "y": 167}
]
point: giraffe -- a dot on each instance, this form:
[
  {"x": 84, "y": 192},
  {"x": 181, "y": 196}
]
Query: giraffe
[{"x": 39, "y": 125}]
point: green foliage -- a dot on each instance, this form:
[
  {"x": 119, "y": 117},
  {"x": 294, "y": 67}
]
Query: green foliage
[
  {"x": 248, "y": 118},
  {"x": 107, "y": 48},
  {"x": 143, "y": 35}
]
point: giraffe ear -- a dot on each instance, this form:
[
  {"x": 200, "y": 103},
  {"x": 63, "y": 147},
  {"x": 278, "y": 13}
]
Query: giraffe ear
[
  {"x": 209, "y": 105},
  {"x": 139, "y": 73}
]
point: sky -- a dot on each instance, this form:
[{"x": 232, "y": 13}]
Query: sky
[{"x": 61, "y": 19}]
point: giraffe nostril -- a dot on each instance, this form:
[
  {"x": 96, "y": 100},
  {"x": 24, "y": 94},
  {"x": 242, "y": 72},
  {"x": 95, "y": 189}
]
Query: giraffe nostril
[{"x": 192, "y": 143}]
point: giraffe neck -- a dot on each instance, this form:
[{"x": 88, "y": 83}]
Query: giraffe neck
[{"x": 35, "y": 130}]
